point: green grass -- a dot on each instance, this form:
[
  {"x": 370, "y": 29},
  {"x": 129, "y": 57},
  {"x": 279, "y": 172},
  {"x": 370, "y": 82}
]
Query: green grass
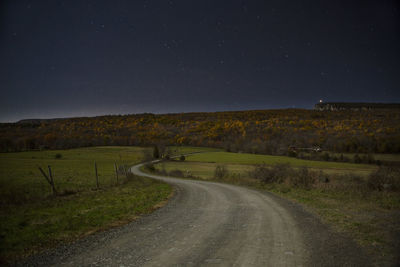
[
  {"x": 251, "y": 159},
  {"x": 200, "y": 169},
  {"x": 205, "y": 170},
  {"x": 32, "y": 219},
  {"x": 20, "y": 178},
  {"x": 179, "y": 150}
]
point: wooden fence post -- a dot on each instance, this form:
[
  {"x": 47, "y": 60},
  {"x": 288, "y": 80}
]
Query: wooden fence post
[
  {"x": 116, "y": 171},
  {"x": 97, "y": 177},
  {"x": 49, "y": 179},
  {"x": 126, "y": 174},
  {"x": 52, "y": 181}
]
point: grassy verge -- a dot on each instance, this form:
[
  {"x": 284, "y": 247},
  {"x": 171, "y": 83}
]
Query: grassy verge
[
  {"x": 32, "y": 219},
  {"x": 342, "y": 199}
]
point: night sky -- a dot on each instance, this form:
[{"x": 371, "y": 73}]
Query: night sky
[{"x": 86, "y": 58}]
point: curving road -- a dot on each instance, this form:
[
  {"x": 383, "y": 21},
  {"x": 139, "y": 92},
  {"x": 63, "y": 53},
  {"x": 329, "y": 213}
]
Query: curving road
[{"x": 213, "y": 224}]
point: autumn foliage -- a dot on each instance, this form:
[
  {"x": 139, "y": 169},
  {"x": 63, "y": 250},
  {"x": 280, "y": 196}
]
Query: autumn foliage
[{"x": 259, "y": 131}]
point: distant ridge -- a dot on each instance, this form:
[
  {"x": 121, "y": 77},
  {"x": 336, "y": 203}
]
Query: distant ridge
[
  {"x": 32, "y": 121},
  {"x": 357, "y": 106}
]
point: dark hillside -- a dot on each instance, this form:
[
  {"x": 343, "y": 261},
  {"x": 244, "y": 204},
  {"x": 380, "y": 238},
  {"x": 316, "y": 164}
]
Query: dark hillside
[{"x": 256, "y": 131}]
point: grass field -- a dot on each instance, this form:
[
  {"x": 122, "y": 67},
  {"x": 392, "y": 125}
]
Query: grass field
[
  {"x": 199, "y": 169},
  {"x": 372, "y": 218},
  {"x": 251, "y": 159},
  {"x": 32, "y": 219},
  {"x": 21, "y": 180},
  {"x": 179, "y": 150},
  {"x": 205, "y": 170}
]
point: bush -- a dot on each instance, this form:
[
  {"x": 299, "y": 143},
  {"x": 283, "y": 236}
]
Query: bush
[
  {"x": 150, "y": 167},
  {"x": 58, "y": 156},
  {"x": 220, "y": 172},
  {"x": 326, "y": 156},
  {"x": 176, "y": 173},
  {"x": 281, "y": 173},
  {"x": 156, "y": 153},
  {"x": 356, "y": 158},
  {"x": 346, "y": 159},
  {"x": 385, "y": 178},
  {"x": 292, "y": 153},
  {"x": 182, "y": 158},
  {"x": 323, "y": 177},
  {"x": 302, "y": 178},
  {"x": 262, "y": 173},
  {"x": 371, "y": 159},
  {"x": 276, "y": 174}
]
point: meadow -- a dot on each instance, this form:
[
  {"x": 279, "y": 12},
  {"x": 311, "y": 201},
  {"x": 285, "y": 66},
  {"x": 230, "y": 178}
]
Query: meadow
[
  {"x": 73, "y": 171},
  {"x": 252, "y": 159},
  {"x": 32, "y": 218}
]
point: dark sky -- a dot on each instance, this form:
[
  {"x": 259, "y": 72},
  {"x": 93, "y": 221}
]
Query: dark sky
[{"x": 85, "y": 58}]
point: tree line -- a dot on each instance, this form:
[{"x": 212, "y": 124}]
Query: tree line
[{"x": 257, "y": 131}]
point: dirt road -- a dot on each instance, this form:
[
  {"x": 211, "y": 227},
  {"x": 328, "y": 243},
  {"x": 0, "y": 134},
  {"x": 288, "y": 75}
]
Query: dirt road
[{"x": 214, "y": 224}]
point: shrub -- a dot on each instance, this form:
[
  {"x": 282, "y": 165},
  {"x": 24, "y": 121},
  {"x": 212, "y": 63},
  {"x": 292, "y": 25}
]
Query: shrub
[
  {"x": 176, "y": 173},
  {"x": 292, "y": 153},
  {"x": 323, "y": 177},
  {"x": 262, "y": 173},
  {"x": 276, "y": 174},
  {"x": 150, "y": 167},
  {"x": 385, "y": 178},
  {"x": 182, "y": 158},
  {"x": 346, "y": 159},
  {"x": 302, "y": 178},
  {"x": 220, "y": 172},
  {"x": 326, "y": 156},
  {"x": 356, "y": 158},
  {"x": 371, "y": 159},
  {"x": 58, "y": 156},
  {"x": 156, "y": 153}
]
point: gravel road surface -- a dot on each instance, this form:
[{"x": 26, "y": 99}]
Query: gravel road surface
[{"x": 215, "y": 224}]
